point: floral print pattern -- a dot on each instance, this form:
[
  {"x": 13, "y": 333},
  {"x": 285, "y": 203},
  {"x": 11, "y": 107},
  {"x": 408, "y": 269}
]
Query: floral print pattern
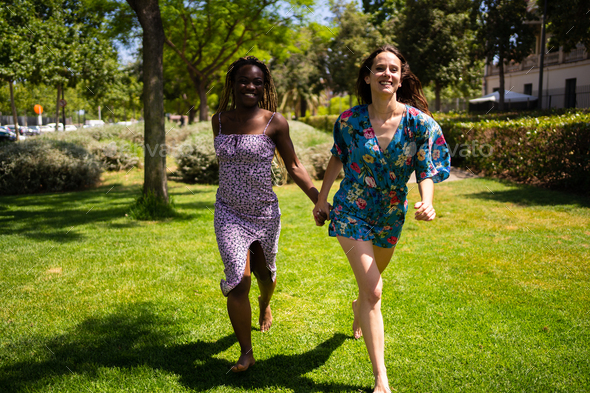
[
  {"x": 246, "y": 207},
  {"x": 371, "y": 203}
]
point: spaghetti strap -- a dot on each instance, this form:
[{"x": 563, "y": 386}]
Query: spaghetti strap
[
  {"x": 219, "y": 121},
  {"x": 273, "y": 115}
]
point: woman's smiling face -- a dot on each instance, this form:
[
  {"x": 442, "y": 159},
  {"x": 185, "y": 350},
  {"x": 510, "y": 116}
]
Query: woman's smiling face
[
  {"x": 249, "y": 85},
  {"x": 385, "y": 74}
]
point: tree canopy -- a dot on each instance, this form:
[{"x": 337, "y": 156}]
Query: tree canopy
[
  {"x": 16, "y": 47},
  {"x": 207, "y": 35},
  {"x": 568, "y": 22},
  {"x": 503, "y": 33},
  {"x": 70, "y": 44},
  {"x": 438, "y": 40}
]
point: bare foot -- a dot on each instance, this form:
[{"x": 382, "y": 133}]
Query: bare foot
[
  {"x": 382, "y": 390},
  {"x": 244, "y": 362},
  {"x": 356, "y": 326},
  {"x": 265, "y": 319},
  {"x": 381, "y": 386}
]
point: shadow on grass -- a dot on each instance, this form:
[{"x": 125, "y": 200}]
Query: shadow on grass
[
  {"x": 55, "y": 216},
  {"x": 134, "y": 336},
  {"x": 532, "y": 196}
]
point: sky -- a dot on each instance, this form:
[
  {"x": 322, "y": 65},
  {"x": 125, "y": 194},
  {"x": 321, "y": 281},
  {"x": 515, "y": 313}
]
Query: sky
[{"x": 318, "y": 13}]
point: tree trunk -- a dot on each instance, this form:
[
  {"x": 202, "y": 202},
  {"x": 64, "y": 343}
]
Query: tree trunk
[
  {"x": 63, "y": 109},
  {"x": 148, "y": 13},
  {"x": 192, "y": 114},
  {"x": 303, "y": 106},
  {"x": 13, "y": 107},
  {"x": 501, "y": 91},
  {"x": 57, "y": 108},
  {"x": 202, "y": 89},
  {"x": 437, "y": 90}
]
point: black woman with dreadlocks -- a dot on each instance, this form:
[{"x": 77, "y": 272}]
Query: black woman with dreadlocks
[{"x": 248, "y": 135}]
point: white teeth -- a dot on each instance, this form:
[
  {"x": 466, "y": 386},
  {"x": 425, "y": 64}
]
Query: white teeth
[
  {"x": 386, "y": 83},
  {"x": 251, "y": 95}
]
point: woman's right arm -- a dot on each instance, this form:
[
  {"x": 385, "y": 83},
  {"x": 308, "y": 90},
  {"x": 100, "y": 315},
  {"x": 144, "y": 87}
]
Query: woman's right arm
[{"x": 322, "y": 206}]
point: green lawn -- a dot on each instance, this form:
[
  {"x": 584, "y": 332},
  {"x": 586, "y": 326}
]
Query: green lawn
[{"x": 492, "y": 296}]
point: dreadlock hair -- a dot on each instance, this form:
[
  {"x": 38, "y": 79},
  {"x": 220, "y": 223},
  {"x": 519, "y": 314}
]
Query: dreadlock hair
[
  {"x": 269, "y": 102},
  {"x": 410, "y": 92},
  {"x": 269, "y": 98}
]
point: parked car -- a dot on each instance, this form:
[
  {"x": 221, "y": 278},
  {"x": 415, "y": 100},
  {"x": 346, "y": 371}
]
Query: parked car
[
  {"x": 60, "y": 126},
  {"x": 32, "y": 130},
  {"x": 22, "y": 130},
  {"x": 6, "y": 135},
  {"x": 71, "y": 127},
  {"x": 47, "y": 128},
  {"x": 94, "y": 123}
]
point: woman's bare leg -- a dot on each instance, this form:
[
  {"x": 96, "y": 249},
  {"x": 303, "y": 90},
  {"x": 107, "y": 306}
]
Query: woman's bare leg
[
  {"x": 240, "y": 315},
  {"x": 382, "y": 257},
  {"x": 266, "y": 285},
  {"x": 362, "y": 260}
]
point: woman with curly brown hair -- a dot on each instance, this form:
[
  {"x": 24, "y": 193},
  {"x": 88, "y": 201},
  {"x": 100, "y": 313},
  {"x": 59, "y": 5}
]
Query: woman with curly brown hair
[
  {"x": 379, "y": 144},
  {"x": 247, "y": 215}
]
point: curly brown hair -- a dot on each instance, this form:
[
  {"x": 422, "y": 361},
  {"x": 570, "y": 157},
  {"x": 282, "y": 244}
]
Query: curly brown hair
[
  {"x": 410, "y": 92},
  {"x": 269, "y": 99}
]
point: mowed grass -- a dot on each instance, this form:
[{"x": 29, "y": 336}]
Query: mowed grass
[{"x": 492, "y": 296}]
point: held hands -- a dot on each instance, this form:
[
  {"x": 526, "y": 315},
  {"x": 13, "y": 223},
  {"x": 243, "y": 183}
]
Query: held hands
[
  {"x": 321, "y": 211},
  {"x": 425, "y": 211}
]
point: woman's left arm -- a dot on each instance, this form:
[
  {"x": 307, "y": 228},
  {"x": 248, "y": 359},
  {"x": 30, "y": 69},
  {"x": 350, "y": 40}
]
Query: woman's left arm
[
  {"x": 424, "y": 209},
  {"x": 287, "y": 151},
  {"x": 433, "y": 165}
]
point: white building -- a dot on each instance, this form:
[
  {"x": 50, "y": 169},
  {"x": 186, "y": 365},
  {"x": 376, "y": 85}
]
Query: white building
[{"x": 566, "y": 76}]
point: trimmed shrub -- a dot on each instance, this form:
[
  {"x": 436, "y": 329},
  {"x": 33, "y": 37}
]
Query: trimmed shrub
[
  {"x": 117, "y": 156},
  {"x": 114, "y": 153},
  {"x": 312, "y": 147},
  {"x": 315, "y": 159},
  {"x": 149, "y": 207},
  {"x": 197, "y": 163},
  {"x": 44, "y": 165},
  {"x": 324, "y": 123},
  {"x": 549, "y": 151},
  {"x": 100, "y": 133}
]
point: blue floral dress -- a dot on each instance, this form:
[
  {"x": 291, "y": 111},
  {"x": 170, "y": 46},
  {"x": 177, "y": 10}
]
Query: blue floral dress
[{"x": 371, "y": 203}]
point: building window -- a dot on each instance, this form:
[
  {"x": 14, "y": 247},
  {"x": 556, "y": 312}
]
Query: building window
[
  {"x": 570, "y": 93},
  {"x": 528, "y": 89}
]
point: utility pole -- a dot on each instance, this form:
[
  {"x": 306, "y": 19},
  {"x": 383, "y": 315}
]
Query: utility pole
[{"x": 540, "y": 100}]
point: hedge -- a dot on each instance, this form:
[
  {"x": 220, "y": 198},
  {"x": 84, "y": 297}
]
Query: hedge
[
  {"x": 549, "y": 151},
  {"x": 324, "y": 123},
  {"x": 46, "y": 165}
]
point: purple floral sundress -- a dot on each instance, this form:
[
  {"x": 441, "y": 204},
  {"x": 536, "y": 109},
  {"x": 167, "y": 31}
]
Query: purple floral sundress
[{"x": 246, "y": 207}]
